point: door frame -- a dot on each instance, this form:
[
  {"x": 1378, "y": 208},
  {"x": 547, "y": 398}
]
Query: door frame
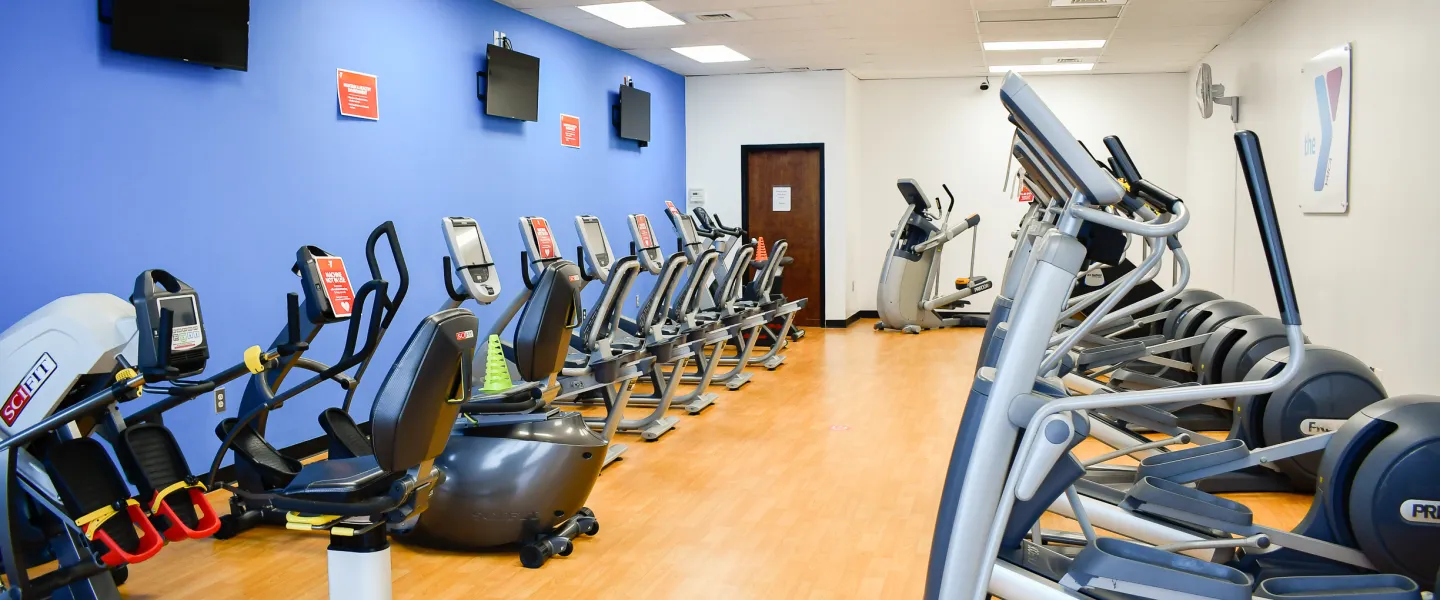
[{"x": 745, "y": 150}]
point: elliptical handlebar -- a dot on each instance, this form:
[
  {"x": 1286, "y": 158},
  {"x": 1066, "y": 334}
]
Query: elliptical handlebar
[
  {"x": 450, "y": 282},
  {"x": 1151, "y": 193},
  {"x": 392, "y": 303},
  {"x": 734, "y": 232},
  {"x": 1252, "y": 161}
]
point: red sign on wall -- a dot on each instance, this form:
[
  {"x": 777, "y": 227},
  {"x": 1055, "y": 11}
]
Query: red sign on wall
[
  {"x": 1026, "y": 195},
  {"x": 358, "y": 94},
  {"x": 569, "y": 131}
]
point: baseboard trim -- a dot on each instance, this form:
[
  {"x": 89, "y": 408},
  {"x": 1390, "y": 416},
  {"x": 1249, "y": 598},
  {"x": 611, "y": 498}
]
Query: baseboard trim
[{"x": 841, "y": 324}]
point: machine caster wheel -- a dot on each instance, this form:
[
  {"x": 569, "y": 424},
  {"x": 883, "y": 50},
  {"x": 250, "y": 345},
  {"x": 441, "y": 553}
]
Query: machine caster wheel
[
  {"x": 120, "y": 574},
  {"x": 879, "y": 327},
  {"x": 591, "y": 525},
  {"x": 534, "y": 555},
  {"x": 565, "y": 547},
  {"x": 911, "y": 329}
]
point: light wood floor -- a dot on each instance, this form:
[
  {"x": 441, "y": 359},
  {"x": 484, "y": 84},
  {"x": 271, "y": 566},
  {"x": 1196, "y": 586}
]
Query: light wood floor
[{"x": 818, "y": 480}]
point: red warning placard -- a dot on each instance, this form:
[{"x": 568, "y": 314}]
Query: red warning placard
[
  {"x": 642, "y": 225},
  {"x": 544, "y": 240},
  {"x": 358, "y": 94},
  {"x": 569, "y": 131},
  {"x": 1026, "y": 195},
  {"x": 337, "y": 285}
]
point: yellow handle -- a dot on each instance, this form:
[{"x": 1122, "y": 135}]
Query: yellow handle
[
  {"x": 252, "y": 360},
  {"x": 127, "y": 375}
]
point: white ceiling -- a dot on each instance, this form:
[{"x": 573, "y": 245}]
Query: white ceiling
[{"x": 881, "y": 39}]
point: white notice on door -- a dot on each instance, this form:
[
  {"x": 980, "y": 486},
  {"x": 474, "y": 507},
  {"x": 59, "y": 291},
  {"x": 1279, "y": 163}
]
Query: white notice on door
[{"x": 780, "y": 198}]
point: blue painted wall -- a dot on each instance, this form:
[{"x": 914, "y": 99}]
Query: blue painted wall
[{"x": 113, "y": 163}]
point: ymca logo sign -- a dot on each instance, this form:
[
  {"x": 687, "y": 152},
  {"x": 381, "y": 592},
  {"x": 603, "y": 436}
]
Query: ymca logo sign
[{"x": 1324, "y": 168}]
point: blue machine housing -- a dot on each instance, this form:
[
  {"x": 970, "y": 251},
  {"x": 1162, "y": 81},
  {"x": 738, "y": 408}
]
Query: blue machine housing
[{"x": 1385, "y": 455}]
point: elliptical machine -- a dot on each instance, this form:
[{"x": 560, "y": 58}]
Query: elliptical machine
[{"x": 910, "y": 280}]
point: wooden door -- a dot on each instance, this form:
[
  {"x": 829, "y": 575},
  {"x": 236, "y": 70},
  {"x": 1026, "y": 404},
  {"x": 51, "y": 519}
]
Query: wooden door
[{"x": 768, "y": 171}]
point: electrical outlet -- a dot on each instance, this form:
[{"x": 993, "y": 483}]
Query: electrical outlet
[{"x": 219, "y": 401}]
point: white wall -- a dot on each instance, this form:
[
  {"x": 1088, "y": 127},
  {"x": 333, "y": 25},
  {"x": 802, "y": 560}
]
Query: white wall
[
  {"x": 1367, "y": 280},
  {"x": 949, "y": 131},
  {"x": 723, "y": 113}
]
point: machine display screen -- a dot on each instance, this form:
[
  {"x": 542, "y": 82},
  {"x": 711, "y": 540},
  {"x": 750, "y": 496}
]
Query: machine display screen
[
  {"x": 594, "y": 239},
  {"x": 687, "y": 229},
  {"x": 184, "y": 309},
  {"x": 469, "y": 247}
]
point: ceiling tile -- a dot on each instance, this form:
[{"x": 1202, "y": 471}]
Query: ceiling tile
[
  {"x": 1069, "y": 29},
  {"x": 916, "y": 38}
]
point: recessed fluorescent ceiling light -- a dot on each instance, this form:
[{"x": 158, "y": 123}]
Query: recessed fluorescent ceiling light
[
  {"x": 712, "y": 54},
  {"x": 632, "y": 15},
  {"x": 1043, "y": 68},
  {"x": 1054, "y": 45}
]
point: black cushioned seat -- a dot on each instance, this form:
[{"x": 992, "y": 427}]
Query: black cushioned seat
[
  {"x": 414, "y": 409},
  {"x": 341, "y": 480}
]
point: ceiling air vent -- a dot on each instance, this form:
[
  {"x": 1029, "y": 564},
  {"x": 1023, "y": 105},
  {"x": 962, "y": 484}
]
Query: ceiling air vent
[
  {"x": 1065, "y": 3},
  {"x": 726, "y": 16}
]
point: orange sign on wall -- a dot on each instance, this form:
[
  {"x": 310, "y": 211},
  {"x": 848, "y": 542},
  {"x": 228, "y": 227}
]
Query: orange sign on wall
[
  {"x": 358, "y": 94},
  {"x": 569, "y": 131}
]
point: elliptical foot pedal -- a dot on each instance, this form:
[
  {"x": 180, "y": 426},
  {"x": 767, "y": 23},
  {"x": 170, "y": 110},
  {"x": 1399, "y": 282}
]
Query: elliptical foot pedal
[
  {"x": 1176, "y": 464},
  {"x": 1341, "y": 587},
  {"x": 1117, "y": 565},
  {"x": 98, "y": 499},
  {"x": 154, "y": 463},
  {"x": 1171, "y": 500},
  {"x": 346, "y": 438}
]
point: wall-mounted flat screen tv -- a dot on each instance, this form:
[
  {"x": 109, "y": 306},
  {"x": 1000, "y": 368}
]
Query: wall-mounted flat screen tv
[
  {"x": 208, "y": 32},
  {"x": 512, "y": 84},
  {"x": 634, "y": 119}
]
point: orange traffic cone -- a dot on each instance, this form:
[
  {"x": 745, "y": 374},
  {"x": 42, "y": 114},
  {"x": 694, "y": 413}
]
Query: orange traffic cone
[{"x": 761, "y": 254}]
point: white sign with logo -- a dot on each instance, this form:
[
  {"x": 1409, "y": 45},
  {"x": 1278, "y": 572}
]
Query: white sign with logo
[{"x": 1324, "y": 172}]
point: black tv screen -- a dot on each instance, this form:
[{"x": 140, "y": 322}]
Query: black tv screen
[
  {"x": 512, "y": 86},
  {"x": 634, "y": 114},
  {"x": 209, "y": 32}
]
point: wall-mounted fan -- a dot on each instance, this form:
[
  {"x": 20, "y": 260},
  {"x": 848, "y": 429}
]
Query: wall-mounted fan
[{"x": 1208, "y": 94}]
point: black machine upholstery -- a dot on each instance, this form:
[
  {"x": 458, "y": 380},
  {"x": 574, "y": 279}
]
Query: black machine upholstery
[
  {"x": 341, "y": 480},
  {"x": 542, "y": 335},
  {"x": 421, "y": 395},
  {"x": 410, "y": 420}
]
